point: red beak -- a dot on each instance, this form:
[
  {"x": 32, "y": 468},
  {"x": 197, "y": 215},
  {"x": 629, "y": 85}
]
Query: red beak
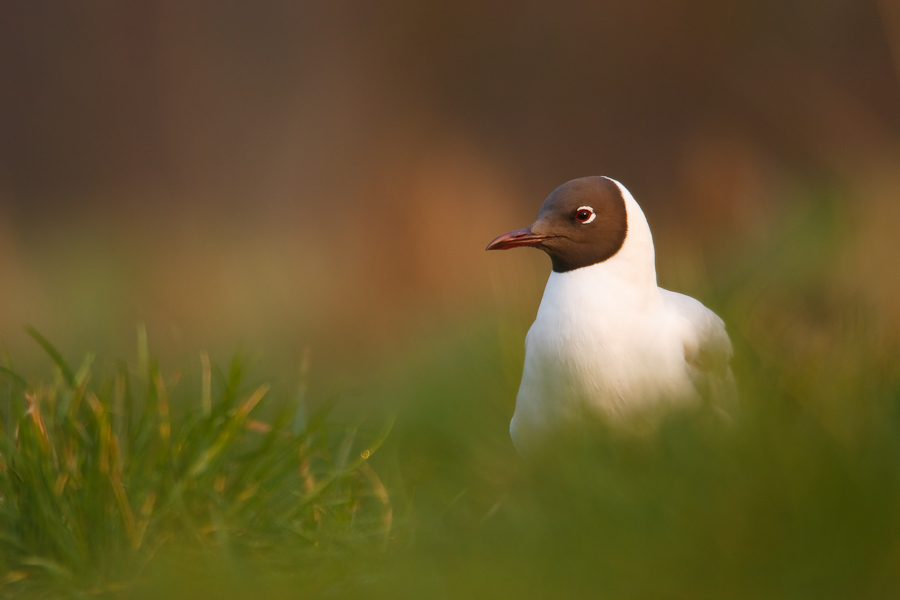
[{"x": 514, "y": 239}]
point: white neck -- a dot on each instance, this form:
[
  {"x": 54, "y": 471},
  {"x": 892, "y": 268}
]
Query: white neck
[
  {"x": 627, "y": 280},
  {"x": 633, "y": 267}
]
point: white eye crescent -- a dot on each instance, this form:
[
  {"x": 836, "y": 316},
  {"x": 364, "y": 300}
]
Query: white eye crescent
[{"x": 585, "y": 214}]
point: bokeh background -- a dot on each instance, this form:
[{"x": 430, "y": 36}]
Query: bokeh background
[
  {"x": 291, "y": 175},
  {"x": 314, "y": 183}
]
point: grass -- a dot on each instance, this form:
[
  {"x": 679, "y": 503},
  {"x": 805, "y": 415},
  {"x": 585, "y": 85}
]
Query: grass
[
  {"x": 132, "y": 484},
  {"x": 98, "y": 477}
]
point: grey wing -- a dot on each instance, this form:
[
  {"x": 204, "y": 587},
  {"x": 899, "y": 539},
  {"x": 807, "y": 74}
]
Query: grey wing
[{"x": 707, "y": 350}]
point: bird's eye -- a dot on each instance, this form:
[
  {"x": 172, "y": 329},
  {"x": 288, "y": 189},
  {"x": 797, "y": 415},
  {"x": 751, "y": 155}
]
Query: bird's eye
[{"x": 585, "y": 214}]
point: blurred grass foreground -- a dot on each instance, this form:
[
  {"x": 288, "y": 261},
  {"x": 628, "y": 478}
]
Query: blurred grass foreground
[
  {"x": 123, "y": 481},
  {"x": 97, "y": 477},
  {"x": 319, "y": 179}
]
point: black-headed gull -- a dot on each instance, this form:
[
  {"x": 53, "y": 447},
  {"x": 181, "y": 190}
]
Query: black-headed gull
[{"x": 607, "y": 341}]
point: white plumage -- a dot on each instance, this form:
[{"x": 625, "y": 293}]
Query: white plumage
[{"x": 608, "y": 342}]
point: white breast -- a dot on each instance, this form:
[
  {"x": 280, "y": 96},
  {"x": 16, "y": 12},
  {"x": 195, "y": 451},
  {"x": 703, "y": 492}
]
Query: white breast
[
  {"x": 598, "y": 347},
  {"x": 608, "y": 342}
]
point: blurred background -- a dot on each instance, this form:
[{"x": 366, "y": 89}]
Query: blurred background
[
  {"x": 315, "y": 183},
  {"x": 308, "y": 175}
]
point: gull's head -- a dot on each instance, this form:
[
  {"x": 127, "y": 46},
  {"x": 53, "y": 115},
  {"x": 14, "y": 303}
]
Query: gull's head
[{"x": 582, "y": 223}]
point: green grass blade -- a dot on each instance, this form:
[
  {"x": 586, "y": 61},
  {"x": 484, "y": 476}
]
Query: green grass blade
[
  {"x": 15, "y": 377},
  {"x": 67, "y": 373}
]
